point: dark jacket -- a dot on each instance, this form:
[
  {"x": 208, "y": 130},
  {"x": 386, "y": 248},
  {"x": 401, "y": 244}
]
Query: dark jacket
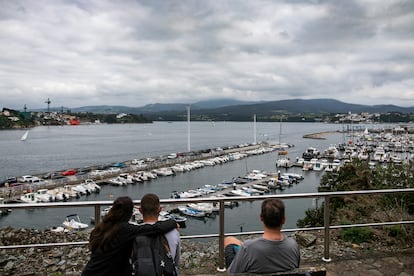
[{"x": 115, "y": 261}]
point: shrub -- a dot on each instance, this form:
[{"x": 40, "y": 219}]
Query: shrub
[
  {"x": 356, "y": 234},
  {"x": 395, "y": 231}
]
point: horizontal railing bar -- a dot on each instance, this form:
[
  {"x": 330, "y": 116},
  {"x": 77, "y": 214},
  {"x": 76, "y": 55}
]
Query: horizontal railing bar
[
  {"x": 211, "y": 199},
  {"x": 23, "y": 246},
  {"x": 372, "y": 224},
  {"x": 216, "y": 235}
]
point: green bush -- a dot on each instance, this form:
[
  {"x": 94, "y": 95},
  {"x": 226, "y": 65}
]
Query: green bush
[
  {"x": 356, "y": 234},
  {"x": 395, "y": 231},
  {"x": 313, "y": 217}
]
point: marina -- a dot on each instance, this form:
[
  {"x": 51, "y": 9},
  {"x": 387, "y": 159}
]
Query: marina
[{"x": 207, "y": 178}]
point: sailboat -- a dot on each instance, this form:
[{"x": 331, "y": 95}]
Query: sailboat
[
  {"x": 282, "y": 150},
  {"x": 24, "y": 136}
]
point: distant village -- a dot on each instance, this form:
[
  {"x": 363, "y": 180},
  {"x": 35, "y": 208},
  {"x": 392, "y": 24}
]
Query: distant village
[{"x": 10, "y": 118}]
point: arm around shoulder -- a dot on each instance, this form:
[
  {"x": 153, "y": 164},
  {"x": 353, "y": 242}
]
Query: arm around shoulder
[{"x": 160, "y": 227}]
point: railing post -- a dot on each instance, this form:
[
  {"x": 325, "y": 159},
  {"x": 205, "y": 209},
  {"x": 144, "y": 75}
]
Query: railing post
[
  {"x": 97, "y": 214},
  {"x": 327, "y": 223},
  {"x": 221, "y": 266}
]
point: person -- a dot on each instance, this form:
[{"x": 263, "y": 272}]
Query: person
[
  {"x": 150, "y": 209},
  {"x": 111, "y": 240},
  {"x": 273, "y": 252}
]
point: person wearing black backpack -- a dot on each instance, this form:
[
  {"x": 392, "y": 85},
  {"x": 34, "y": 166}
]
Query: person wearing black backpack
[
  {"x": 155, "y": 255},
  {"x": 111, "y": 240}
]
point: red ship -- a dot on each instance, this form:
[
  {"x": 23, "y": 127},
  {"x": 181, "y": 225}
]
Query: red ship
[{"x": 74, "y": 122}]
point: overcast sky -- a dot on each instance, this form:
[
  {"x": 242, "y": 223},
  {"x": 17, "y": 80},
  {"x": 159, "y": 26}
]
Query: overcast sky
[{"x": 133, "y": 53}]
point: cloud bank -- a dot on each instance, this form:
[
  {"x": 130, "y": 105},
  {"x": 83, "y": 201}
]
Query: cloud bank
[{"x": 102, "y": 52}]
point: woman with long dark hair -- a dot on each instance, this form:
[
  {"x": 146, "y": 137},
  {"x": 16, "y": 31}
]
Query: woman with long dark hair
[{"x": 111, "y": 240}]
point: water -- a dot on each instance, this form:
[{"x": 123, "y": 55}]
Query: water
[{"x": 56, "y": 148}]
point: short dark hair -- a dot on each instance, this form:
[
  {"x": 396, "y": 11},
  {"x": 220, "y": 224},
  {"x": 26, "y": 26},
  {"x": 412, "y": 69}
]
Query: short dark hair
[
  {"x": 150, "y": 203},
  {"x": 273, "y": 212}
]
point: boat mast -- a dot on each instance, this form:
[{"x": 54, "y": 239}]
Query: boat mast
[
  {"x": 188, "y": 129},
  {"x": 254, "y": 129}
]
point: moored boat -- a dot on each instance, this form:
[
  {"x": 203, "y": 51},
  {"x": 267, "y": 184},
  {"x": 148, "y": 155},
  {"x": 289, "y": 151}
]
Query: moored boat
[{"x": 73, "y": 222}]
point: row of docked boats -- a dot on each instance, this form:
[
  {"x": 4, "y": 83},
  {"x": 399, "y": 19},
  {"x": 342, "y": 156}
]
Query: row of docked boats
[
  {"x": 61, "y": 193},
  {"x": 254, "y": 183},
  {"x": 141, "y": 176}
]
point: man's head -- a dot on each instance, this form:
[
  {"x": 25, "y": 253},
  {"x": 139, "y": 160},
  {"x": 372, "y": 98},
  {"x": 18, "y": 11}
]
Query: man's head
[
  {"x": 273, "y": 213},
  {"x": 150, "y": 206}
]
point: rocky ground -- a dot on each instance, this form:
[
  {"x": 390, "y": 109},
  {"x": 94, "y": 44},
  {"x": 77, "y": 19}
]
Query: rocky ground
[{"x": 198, "y": 257}]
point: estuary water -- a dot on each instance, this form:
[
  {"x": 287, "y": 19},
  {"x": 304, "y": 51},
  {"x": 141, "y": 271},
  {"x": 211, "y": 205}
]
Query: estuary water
[{"x": 54, "y": 148}]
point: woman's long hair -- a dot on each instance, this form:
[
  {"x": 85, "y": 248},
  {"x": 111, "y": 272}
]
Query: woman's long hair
[{"x": 101, "y": 236}]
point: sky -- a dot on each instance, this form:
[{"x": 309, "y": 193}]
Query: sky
[{"x": 132, "y": 53}]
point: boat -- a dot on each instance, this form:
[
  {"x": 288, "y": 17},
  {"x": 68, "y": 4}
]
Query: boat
[
  {"x": 205, "y": 207},
  {"x": 318, "y": 166},
  {"x": 310, "y": 153},
  {"x": 92, "y": 186},
  {"x": 29, "y": 198},
  {"x": 331, "y": 152},
  {"x": 178, "y": 219},
  {"x": 307, "y": 166},
  {"x": 191, "y": 212},
  {"x": 283, "y": 163},
  {"x": 239, "y": 192},
  {"x": 59, "y": 194},
  {"x": 73, "y": 222},
  {"x": 24, "y": 136},
  {"x": 260, "y": 187},
  {"x": 43, "y": 195},
  {"x": 164, "y": 215},
  {"x": 252, "y": 191},
  {"x": 74, "y": 121},
  {"x": 379, "y": 154}
]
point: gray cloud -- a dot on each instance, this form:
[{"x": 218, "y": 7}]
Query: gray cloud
[{"x": 139, "y": 52}]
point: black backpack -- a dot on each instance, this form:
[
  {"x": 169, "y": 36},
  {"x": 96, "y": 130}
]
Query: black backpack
[{"x": 151, "y": 256}]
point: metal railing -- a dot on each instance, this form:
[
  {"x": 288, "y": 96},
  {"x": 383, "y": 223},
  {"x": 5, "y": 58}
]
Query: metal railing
[{"x": 221, "y": 200}]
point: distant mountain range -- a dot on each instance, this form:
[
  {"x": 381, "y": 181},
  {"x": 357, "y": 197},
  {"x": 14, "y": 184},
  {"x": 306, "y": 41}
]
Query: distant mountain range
[{"x": 228, "y": 109}]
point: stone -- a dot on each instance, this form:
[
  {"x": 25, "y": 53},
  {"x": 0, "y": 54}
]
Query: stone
[
  {"x": 9, "y": 266},
  {"x": 305, "y": 239}
]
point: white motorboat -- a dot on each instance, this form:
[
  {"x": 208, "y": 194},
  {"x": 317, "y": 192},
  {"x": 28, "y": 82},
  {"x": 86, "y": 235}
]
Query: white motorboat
[
  {"x": 260, "y": 187},
  {"x": 59, "y": 194},
  {"x": 43, "y": 195},
  {"x": 191, "y": 212},
  {"x": 92, "y": 186},
  {"x": 283, "y": 163},
  {"x": 206, "y": 207},
  {"x": 239, "y": 192},
  {"x": 73, "y": 222},
  {"x": 80, "y": 189},
  {"x": 29, "y": 198}
]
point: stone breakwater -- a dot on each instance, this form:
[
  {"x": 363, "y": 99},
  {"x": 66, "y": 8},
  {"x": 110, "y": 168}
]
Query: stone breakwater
[{"x": 198, "y": 257}]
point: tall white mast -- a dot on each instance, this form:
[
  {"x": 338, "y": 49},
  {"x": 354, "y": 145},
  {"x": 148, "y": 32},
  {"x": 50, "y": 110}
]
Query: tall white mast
[
  {"x": 254, "y": 129},
  {"x": 188, "y": 129}
]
